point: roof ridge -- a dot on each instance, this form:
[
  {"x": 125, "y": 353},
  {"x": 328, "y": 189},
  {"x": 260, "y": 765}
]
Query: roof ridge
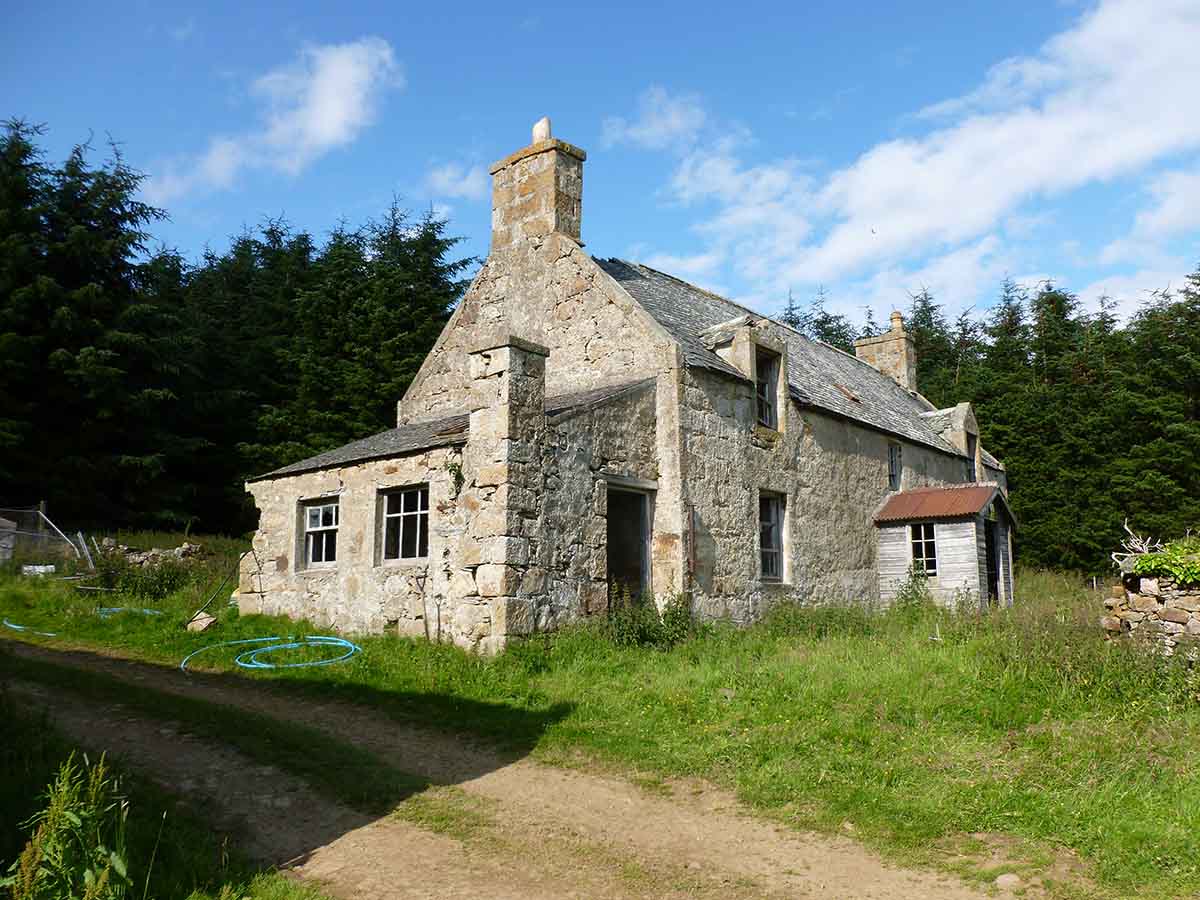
[{"x": 744, "y": 308}]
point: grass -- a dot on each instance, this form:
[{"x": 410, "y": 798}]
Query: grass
[
  {"x": 188, "y": 859},
  {"x": 918, "y": 727}
]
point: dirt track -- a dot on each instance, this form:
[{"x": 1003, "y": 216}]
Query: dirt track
[{"x": 530, "y": 830}]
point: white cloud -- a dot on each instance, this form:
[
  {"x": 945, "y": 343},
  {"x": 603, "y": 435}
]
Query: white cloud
[
  {"x": 1174, "y": 209},
  {"x": 663, "y": 120},
  {"x": 954, "y": 279},
  {"x": 320, "y": 102},
  {"x": 1131, "y": 290},
  {"x": 1108, "y": 97},
  {"x": 455, "y": 180}
]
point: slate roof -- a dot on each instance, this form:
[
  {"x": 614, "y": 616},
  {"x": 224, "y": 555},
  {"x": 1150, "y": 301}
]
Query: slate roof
[
  {"x": 441, "y": 432},
  {"x": 818, "y": 375},
  {"x": 952, "y": 502}
]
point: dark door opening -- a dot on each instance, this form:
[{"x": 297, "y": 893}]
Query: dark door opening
[
  {"x": 993, "y": 561},
  {"x": 628, "y": 537}
]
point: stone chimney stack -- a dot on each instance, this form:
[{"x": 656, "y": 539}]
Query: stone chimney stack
[
  {"x": 892, "y": 353},
  {"x": 537, "y": 190}
]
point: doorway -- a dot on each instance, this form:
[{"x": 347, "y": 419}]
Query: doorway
[
  {"x": 628, "y": 544},
  {"x": 993, "y": 561}
]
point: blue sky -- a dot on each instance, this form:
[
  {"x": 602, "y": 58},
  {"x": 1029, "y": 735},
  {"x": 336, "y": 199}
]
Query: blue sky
[{"x": 755, "y": 150}]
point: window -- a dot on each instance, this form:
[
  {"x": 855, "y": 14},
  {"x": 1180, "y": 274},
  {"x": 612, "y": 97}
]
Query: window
[
  {"x": 895, "y": 465},
  {"x": 406, "y": 523},
  {"x": 972, "y": 445},
  {"x": 320, "y": 534},
  {"x": 770, "y": 535},
  {"x": 766, "y": 374},
  {"x": 924, "y": 549}
]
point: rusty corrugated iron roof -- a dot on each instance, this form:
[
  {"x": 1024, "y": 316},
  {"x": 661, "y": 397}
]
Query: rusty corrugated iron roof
[{"x": 938, "y": 503}]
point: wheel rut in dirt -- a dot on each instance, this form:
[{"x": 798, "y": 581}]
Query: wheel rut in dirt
[{"x": 704, "y": 832}]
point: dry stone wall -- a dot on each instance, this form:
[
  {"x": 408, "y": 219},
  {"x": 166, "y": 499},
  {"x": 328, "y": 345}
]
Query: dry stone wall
[{"x": 1156, "y": 609}]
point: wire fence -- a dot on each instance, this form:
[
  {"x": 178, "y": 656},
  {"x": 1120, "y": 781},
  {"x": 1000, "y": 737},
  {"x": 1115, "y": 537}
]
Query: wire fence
[{"x": 29, "y": 537}]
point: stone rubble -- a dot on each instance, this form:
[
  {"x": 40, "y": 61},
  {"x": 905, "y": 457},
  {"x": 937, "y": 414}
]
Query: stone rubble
[{"x": 151, "y": 557}]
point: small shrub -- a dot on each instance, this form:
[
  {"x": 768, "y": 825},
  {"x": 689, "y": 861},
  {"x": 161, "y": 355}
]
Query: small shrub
[
  {"x": 148, "y": 583},
  {"x": 1180, "y": 559},
  {"x": 913, "y": 600},
  {"x": 77, "y": 848},
  {"x": 636, "y": 621}
]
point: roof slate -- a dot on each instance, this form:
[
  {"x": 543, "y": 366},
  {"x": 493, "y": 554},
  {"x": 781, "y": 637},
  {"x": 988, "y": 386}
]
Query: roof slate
[
  {"x": 936, "y": 503},
  {"x": 441, "y": 432},
  {"x": 818, "y": 375}
]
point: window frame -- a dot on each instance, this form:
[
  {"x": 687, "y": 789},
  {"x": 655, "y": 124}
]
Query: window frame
[
  {"x": 972, "y": 450},
  {"x": 402, "y": 517},
  {"x": 922, "y": 541},
  {"x": 895, "y": 465},
  {"x": 777, "y": 503},
  {"x": 766, "y": 390},
  {"x": 311, "y": 532}
]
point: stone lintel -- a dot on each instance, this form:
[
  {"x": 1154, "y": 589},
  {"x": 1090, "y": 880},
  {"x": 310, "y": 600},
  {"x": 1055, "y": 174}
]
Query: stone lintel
[
  {"x": 497, "y": 341},
  {"x": 540, "y": 147}
]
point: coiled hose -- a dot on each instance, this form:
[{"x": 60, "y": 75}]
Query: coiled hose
[{"x": 251, "y": 659}]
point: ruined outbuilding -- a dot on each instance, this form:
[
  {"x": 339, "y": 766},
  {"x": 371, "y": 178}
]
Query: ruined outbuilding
[{"x": 586, "y": 424}]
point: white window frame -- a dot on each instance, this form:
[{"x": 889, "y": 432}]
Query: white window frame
[
  {"x": 778, "y": 522},
  {"x": 895, "y": 465},
  {"x": 924, "y": 536},
  {"x": 766, "y": 389},
  {"x": 322, "y": 526},
  {"x": 404, "y": 519}
]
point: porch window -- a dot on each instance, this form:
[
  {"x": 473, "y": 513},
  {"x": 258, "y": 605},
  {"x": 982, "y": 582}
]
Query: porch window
[
  {"x": 320, "y": 534},
  {"x": 924, "y": 549},
  {"x": 771, "y": 509},
  {"x": 406, "y": 523},
  {"x": 766, "y": 387},
  {"x": 895, "y": 465}
]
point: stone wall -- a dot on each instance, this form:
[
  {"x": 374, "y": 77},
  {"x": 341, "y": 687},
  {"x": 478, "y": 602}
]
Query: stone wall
[
  {"x": 583, "y": 449},
  {"x": 1156, "y": 609},
  {"x": 833, "y": 472},
  {"x": 361, "y": 593},
  {"x": 552, "y": 293},
  {"x": 517, "y": 522}
]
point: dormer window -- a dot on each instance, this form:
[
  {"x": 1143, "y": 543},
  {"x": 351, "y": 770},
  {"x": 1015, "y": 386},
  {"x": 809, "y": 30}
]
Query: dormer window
[
  {"x": 766, "y": 387},
  {"x": 972, "y": 447}
]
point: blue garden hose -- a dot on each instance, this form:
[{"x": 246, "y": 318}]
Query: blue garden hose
[
  {"x": 15, "y": 627},
  {"x": 249, "y": 659}
]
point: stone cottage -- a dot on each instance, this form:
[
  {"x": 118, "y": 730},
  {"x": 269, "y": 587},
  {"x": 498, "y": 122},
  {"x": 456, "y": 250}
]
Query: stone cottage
[{"x": 589, "y": 427}]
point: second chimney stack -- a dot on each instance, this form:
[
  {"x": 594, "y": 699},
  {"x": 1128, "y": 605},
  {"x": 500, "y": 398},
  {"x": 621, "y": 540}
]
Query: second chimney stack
[{"x": 892, "y": 353}]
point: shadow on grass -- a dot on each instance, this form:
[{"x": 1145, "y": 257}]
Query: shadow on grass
[{"x": 365, "y": 748}]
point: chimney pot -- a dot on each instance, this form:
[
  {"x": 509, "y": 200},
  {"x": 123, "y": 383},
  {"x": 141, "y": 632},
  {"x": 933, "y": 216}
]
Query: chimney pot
[
  {"x": 541, "y": 130},
  {"x": 897, "y": 320}
]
